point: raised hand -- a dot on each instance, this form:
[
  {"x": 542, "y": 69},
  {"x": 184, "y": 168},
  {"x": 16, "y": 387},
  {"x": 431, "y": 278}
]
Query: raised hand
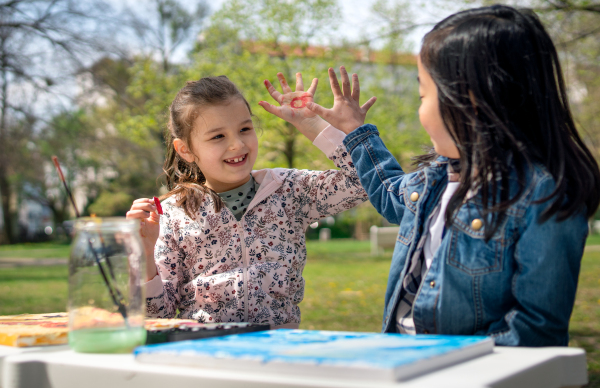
[
  {"x": 293, "y": 105},
  {"x": 347, "y": 114}
]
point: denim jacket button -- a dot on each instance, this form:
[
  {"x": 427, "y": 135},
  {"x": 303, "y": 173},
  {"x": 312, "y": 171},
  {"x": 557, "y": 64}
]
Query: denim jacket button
[
  {"x": 476, "y": 224},
  {"x": 425, "y": 331},
  {"x": 432, "y": 284},
  {"x": 414, "y": 196}
]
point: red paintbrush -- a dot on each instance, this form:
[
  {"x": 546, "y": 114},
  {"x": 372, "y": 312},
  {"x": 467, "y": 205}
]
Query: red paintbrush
[
  {"x": 158, "y": 207},
  {"x": 62, "y": 178}
]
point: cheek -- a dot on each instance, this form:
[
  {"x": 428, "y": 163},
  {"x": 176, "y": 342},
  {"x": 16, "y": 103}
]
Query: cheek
[
  {"x": 253, "y": 142},
  {"x": 424, "y": 118}
]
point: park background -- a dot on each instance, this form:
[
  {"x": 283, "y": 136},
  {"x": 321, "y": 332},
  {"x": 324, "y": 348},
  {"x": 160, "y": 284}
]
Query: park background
[{"x": 90, "y": 82}]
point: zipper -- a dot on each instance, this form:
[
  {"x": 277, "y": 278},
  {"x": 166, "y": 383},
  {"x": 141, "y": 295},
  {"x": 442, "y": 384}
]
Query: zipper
[{"x": 244, "y": 268}]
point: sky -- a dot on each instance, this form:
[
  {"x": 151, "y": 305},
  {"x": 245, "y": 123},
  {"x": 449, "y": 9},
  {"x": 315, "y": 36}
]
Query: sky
[{"x": 358, "y": 19}]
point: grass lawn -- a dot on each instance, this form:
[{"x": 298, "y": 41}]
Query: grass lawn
[
  {"x": 344, "y": 290},
  {"x": 35, "y": 251}
]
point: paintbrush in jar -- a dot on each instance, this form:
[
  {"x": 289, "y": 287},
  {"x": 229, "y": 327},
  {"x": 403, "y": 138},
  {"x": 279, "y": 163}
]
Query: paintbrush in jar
[{"x": 118, "y": 298}]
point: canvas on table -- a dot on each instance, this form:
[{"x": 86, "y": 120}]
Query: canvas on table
[{"x": 353, "y": 355}]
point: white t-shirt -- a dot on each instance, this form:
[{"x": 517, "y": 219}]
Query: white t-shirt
[{"x": 433, "y": 240}]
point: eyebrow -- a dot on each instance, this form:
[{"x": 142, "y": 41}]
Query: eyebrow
[{"x": 219, "y": 128}]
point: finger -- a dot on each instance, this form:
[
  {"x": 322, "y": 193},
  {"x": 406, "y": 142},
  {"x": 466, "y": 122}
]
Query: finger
[
  {"x": 273, "y": 92},
  {"x": 335, "y": 86},
  {"x": 283, "y": 82},
  {"x": 355, "y": 88},
  {"x": 155, "y": 218},
  {"x": 141, "y": 200},
  {"x": 345, "y": 82},
  {"x": 318, "y": 109},
  {"x": 274, "y": 110},
  {"x": 145, "y": 208},
  {"x": 313, "y": 86},
  {"x": 299, "y": 83},
  {"x": 367, "y": 105},
  {"x": 141, "y": 214},
  {"x": 149, "y": 206}
]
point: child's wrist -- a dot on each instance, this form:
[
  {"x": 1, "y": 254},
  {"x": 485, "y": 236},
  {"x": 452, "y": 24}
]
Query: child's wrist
[{"x": 312, "y": 125}]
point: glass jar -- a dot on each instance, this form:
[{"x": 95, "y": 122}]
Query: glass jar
[{"x": 106, "y": 274}]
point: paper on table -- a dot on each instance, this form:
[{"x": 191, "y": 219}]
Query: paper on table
[{"x": 53, "y": 328}]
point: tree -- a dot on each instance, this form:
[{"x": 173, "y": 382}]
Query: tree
[
  {"x": 166, "y": 26},
  {"x": 273, "y": 36},
  {"x": 41, "y": 43},
  {"x": 575, "y": 26}
]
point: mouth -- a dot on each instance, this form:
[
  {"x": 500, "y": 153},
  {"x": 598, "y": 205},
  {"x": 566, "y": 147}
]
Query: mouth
[{"x": 237, "y": 161}]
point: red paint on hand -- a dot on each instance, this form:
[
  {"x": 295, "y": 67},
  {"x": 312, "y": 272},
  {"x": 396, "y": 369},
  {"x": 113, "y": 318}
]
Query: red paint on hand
[
  {"x": 300, "y": 102},
  {"x": 158, "y": 207}
]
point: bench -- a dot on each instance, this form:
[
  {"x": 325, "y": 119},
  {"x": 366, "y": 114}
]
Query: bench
[{"x": 382, "y": 237}]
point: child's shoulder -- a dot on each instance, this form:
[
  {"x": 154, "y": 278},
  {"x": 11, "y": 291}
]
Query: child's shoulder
[{"x": 173, "y": 210}]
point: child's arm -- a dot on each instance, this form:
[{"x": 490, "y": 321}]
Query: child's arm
[
  {"x": 293, "y": 106},
  {"x": 144, "y": 209},
  {"x": 378, "y": 170},
  {"x": 316, "y": 194},
  {"x": 157, "y": 237}
]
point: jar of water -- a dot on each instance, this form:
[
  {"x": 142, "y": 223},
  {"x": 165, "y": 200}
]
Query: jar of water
[{"x": 106, "y": 299}]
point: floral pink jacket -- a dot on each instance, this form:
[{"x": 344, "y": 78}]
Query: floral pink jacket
[{"x": 215, "y": 269}]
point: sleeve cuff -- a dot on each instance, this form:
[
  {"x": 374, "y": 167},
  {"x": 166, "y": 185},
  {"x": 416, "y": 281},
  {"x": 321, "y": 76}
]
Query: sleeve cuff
[
  {"x": 154, "y": 287},
  {"x": 358, "y": 135},
  {"x": 329, "y": 139}
]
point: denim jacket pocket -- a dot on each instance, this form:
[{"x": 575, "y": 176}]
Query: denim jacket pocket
[
  {"x": 407, "y": 226},
  {"x": 468, "y": 251}
]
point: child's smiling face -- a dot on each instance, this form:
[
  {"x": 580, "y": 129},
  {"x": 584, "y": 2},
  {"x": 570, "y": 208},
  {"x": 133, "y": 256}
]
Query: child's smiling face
[
  {"x": 224, "y": 144},
  {"x": 430, "y": 117}
]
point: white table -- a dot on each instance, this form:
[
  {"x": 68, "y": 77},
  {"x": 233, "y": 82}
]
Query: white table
[{"x": 59, "y": 367}]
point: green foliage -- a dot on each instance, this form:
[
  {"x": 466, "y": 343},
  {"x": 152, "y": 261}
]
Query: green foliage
[
  {"x": 111, "y": 204},
  {"x": 293, "y": 22},
  {"x": 119, "y": 138}
]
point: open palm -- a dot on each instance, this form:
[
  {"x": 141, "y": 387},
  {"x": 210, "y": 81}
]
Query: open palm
[{"x": 292, "y": 104}]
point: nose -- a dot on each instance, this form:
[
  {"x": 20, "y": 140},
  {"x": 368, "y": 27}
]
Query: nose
[{"x": 236, "y": 143}]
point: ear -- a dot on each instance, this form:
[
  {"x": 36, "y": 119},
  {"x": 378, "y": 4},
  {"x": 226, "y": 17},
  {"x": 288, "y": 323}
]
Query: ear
[{"x": 184, "y": 151}]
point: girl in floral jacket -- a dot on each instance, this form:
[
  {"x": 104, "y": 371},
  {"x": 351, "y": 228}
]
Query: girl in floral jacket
[{"x": 230, "y": 244}]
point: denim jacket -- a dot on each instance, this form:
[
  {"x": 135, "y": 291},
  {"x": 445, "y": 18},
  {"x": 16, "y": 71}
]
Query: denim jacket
[{"x": 519, "y": 287}]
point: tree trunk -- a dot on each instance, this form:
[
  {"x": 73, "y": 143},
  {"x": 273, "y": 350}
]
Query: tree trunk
[
  {"x": 289, "y": 146},
  {"x": 8, "y": 235}
]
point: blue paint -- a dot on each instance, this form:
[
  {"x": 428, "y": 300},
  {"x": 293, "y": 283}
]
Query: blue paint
[{"x": 352, "y": 349}]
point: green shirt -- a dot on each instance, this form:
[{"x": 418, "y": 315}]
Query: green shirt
[{"x": 238, "y": 199}]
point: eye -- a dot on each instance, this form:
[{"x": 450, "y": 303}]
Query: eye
[
  {"x": 217, "y": 137},
  {"x": 245, "y": 129}
]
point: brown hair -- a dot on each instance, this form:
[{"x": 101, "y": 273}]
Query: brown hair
[{"x": 185, "y": 180}]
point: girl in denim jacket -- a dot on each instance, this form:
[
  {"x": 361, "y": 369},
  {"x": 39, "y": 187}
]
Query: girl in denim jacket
[
  {"x": 231, "y": 241},
  {"x": 494, "y": 221}
]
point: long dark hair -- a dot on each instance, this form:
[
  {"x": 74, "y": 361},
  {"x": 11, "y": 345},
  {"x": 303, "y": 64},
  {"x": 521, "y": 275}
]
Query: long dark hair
[
  {"x": 185, "y": 180},
  {"x": 502, "y": 98}
]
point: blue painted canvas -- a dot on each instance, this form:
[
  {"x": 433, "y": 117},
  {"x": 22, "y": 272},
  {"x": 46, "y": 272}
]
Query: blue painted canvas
[{"x": 323, "y": 353}]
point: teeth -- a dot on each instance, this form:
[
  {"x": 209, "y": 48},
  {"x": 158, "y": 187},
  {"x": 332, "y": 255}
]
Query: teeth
[{"x": 235, "y": 160}]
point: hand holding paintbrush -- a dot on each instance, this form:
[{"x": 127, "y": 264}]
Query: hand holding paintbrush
[{"x": 148, "y": 210}]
